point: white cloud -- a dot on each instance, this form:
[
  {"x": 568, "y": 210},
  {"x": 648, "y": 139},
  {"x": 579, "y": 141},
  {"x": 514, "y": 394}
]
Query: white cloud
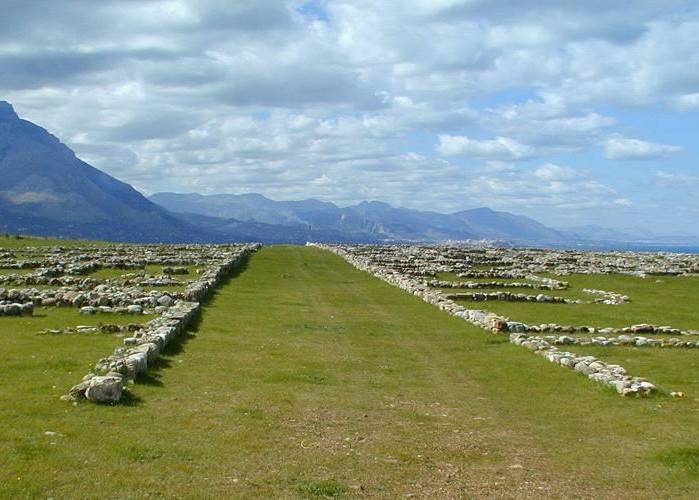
[
  {"x": 552, "y": 172},
  {"x": 617, "y": 147},
  {"x": 676, "y": 178},
  {"x": 623, "y": 202},
  {"x": 500, "y": 148},
  {"x": 548, "y": 123},
  {"x": 687, "y": 102},
  {"x": 547, "y": 185}
]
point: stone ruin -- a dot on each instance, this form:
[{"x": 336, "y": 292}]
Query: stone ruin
[
  {"x": 415, "y": 269},
  {"x": 63, "y": 275},
  {"x": 106, "y": 382}
]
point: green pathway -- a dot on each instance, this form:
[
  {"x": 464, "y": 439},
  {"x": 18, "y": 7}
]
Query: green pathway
[{"x": 307, "y": 378}]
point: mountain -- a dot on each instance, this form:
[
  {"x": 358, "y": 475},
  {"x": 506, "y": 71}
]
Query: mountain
[
  {"x": 46, "y": 190},
  {"x": 243, "y": 207},
  {"x": 506, "y": 226},
  {"x": 236, "y": 230},
  {"x": 366, "y": 221},
  {"x": 595, "y": 232}
]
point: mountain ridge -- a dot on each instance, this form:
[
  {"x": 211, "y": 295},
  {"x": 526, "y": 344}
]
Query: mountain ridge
[{"x": 370, "y": 219}]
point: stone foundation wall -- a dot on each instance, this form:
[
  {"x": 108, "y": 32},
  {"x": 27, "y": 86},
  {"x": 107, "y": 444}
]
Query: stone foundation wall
[
  {"x": 511, "y": 297},
  {"x": 11, "y": 308},
  {"x": 105, "y": 383}
]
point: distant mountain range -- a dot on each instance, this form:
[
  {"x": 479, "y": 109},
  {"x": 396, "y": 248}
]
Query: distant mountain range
[
  {"x": 366, "y": 221},
  {"x": 46, "y": 190}
]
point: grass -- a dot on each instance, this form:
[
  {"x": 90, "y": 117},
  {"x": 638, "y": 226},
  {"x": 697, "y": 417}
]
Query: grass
[
  {"x": 9, "y": 270},
  {"x": 308, "y": 379},
  {"x": 320, "y": 489},
  {"x": 684, "y": 458}
]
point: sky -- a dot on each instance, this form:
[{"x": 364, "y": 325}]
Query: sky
[{"x": 570, "y": 112}]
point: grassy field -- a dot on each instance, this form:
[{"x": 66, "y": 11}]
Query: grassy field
[{"x": 308, "y": 379}]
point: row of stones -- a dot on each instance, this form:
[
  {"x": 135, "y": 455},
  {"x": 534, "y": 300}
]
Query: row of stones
[
  {"x": 67, "y": 260},
  {"x": 612, "y": 375},
  {"x": 610, "y": 298},
  {"x": 105, "y": 384},
  {"x": 621, "y": 340},
  {"x": 101, "y": 296},
  {"x": 511, "y": 297},
  {"x": 10, "y": 308},
  {"x": 617, "y": 378},
  {"x": 494, "y": 284},
  {"x": 519, "y": 327},
  {"x": 139, "y": 278},
  {"x": 102, "y": 328}
]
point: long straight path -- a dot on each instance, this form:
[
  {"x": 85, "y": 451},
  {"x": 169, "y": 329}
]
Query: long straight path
[{"x": 308, "y": 378}]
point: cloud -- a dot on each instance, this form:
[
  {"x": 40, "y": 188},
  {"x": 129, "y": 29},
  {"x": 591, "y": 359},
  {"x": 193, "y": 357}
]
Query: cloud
[
  {"x": 687, "y": 102},
  {"x": 676, "y": 178},
  {"x": 441, "y": 103},
  {"x": 617, "y": 147},
  {"x": 548, "y": 123},
  {"x": 547, "y": 185},
  {"x": 552, "y": 172},
  {"x": 623, "y": 202},
  {"x": 500, "y": 148}
]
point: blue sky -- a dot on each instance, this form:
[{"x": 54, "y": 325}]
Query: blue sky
[{"x": 571, "y": 112}]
